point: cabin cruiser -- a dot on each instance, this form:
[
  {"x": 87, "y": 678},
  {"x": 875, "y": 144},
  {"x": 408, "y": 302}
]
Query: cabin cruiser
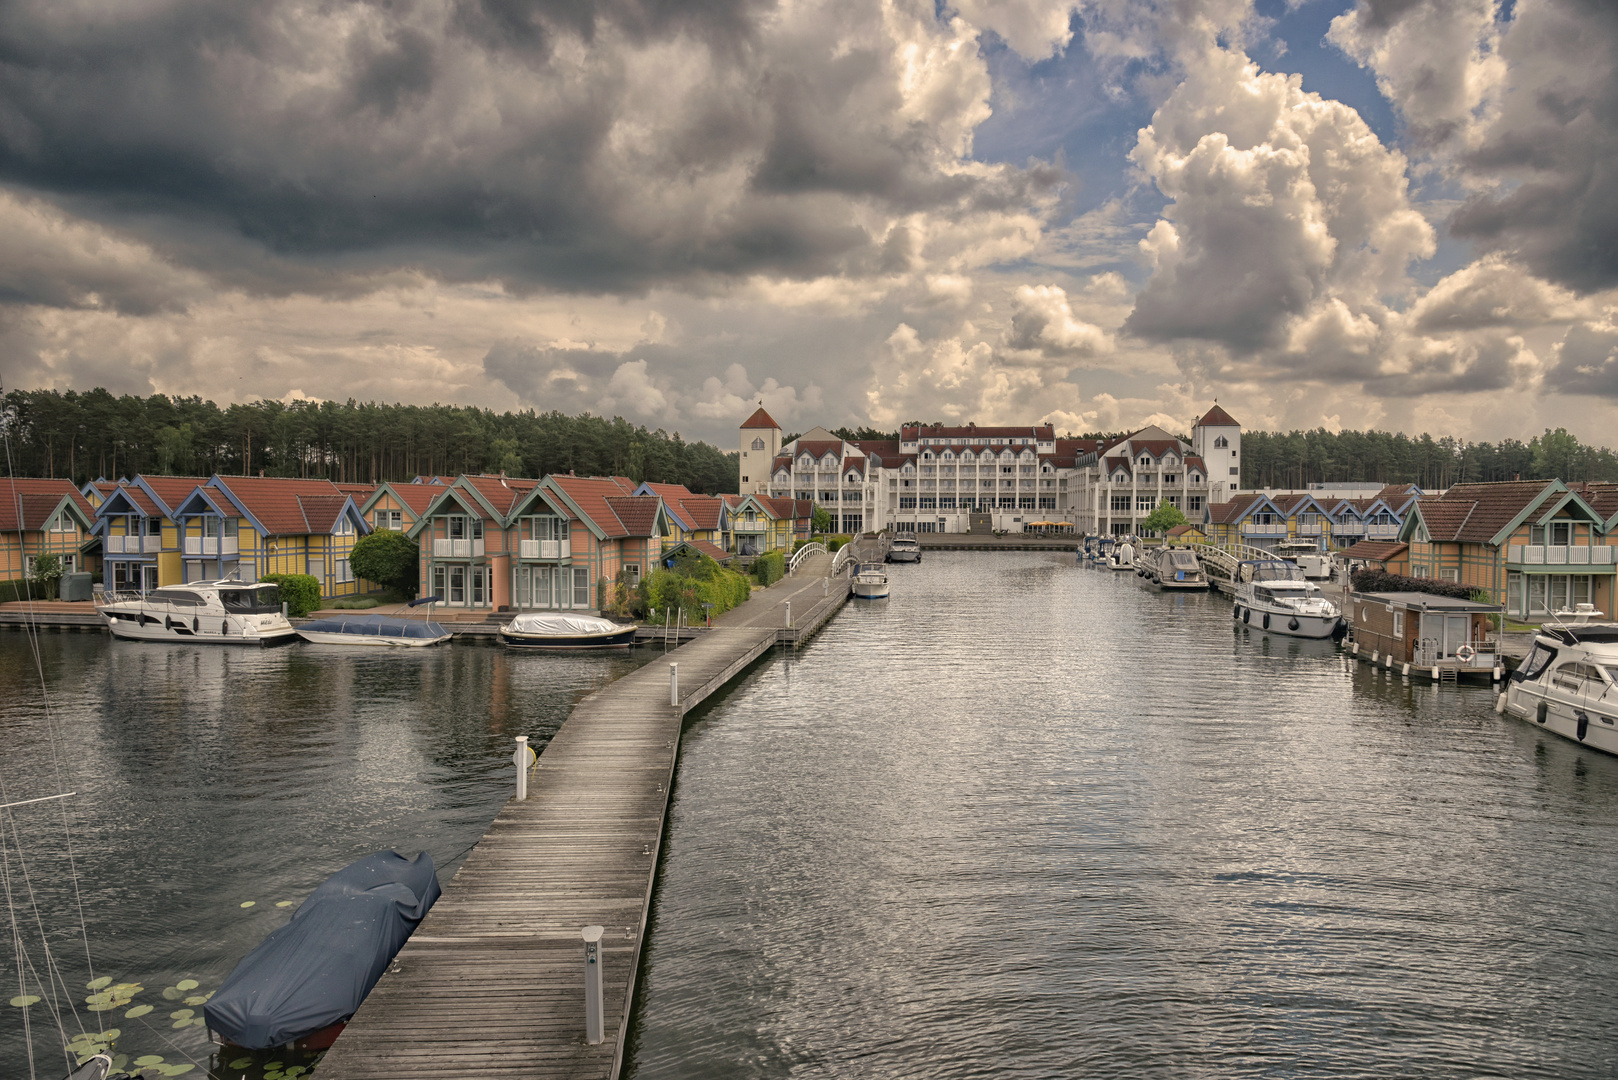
[
  {"x": 1569, "y": 682},
  {"x": 1175, "y": 568},
  {"x": 871, "y": 582},
  {"x": 1272, "y": 595},
  {"x": 555, "y": 630},
  {"x": 1122, "y": 557},
  {"x": 223, "y": 612},
  {"x": 905, "y": 549}
]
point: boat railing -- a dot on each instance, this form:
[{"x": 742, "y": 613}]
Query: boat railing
[
  {"x": 1484, "y": 654},
  {"x": 105, "y": 598}
]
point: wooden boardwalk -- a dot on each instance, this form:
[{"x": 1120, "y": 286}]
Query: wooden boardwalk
[{"x": 492, "y": 982}]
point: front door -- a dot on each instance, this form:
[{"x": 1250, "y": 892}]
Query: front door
[
  {"x": 148, "y": 577},
  {"x": 1457, "y": 632}
]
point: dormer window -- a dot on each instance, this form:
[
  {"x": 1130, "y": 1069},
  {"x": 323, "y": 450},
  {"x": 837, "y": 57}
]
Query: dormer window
[
  {"x": 1221, "y": 442},
  {"x": 806, "y": 461},
  {"x": 344, "y": 526},
  {"x": 928, "y": 456},
  {"x": 758, "y": 444},
  {"x": 948, "y": 455},
  {"x": 1145, "y": 459}
]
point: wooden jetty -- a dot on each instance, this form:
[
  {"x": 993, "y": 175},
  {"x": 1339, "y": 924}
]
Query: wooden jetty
[{"x": 492, "y": 982}]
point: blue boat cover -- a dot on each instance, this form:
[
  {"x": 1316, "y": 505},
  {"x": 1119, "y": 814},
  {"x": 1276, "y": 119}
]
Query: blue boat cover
[
  {"x": 317, "y": 969},
  {"x": 377, "y": 625}
]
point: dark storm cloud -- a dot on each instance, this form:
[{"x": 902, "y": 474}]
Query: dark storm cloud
[
  {"x": 1557, "y": 142},
  {"x": 477, "y": 138},
  {"x": 1588, "y": 362}
]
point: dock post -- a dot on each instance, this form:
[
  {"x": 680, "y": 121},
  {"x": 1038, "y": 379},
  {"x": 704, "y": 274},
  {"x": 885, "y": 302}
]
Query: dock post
[
  {"x": 592, "y": 985},
  {"x": 674, "y": 685},
  {"x": 825, "y": 586},
  {"x": 521, "y": 758},
  {"x": 789, "y": 614}
]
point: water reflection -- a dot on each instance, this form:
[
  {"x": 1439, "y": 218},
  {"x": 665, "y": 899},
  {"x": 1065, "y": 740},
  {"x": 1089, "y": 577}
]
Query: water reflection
[
  {"x": 211, "y": 777},
  {"x": 1031, "y": 820}
]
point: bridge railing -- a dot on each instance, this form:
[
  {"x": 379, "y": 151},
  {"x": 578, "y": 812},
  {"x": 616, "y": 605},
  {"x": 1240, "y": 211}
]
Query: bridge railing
[
  {"x": 842, "y": 558},
  {"x": 814, "y": 548}
]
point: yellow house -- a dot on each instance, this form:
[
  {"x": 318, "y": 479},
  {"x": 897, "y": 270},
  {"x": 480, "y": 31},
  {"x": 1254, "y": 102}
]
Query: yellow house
[
  {"x": 43, "y": 517},
  {"x": 140, "y": 541}
]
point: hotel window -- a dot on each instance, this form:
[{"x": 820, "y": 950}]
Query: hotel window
[
  {"x": 1235, "y": 471},
  {"x": 1144, "y": 504},
  {"x": 1221, "y": 442},
  {"x": 1120, "y": 504},
  {"x": 1194, "y": 502},
  {"x": 388, "y": 519}
]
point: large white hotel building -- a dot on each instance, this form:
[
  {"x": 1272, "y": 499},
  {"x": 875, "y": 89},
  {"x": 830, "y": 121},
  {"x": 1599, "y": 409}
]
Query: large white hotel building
[{"x": 950, "y": 479}]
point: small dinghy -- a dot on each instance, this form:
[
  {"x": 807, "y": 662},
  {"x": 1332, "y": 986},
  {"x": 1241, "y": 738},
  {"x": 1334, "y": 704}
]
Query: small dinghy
[
  {"x": 303, "y": 982},
  {"x": 551, "y": 630},
  {"x": 373, "y": 631}
]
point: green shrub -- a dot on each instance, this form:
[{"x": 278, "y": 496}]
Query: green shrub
[
  {"x": 835, "y": 542},
  {"x": 1373, "y": 580},
  {"x": 357, "y": 604},
  {"x": 300, "y": 592},
  {"x": 389, "y": 559},
  {"x": 707, "y": 582},
  {"x": 770, "y": 567},
  {"x": 23, "y": 589}
]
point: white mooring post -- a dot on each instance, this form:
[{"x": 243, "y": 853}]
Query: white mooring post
[
  {"x": 825, "y": 586},
  {"x": 592, "y": 985},
  {"x": 789, "y": 614},
  {"x": 521, "y": 758},
  {"x": 674, "y": 685}
]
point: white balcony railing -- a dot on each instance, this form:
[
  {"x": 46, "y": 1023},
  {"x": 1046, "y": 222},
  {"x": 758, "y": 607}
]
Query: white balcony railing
[
  {"x": 457, "y": 549},
  {"x": 746, "y": 526},
  {"x": 546, "y": 549},
  {"x": 193, "y": 545},
  {"x": 1382, "y": 532},
  {"x": 1349, "y": 528},
  {"x": 1253, "y": 528},
  {"x": 1560, "y": 555}
]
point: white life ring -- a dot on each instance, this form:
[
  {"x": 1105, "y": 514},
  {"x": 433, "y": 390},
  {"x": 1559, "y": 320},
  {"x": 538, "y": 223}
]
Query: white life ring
[{"x": 1465, "y": 653}]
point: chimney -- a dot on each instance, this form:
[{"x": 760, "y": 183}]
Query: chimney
[{"x": 261, "y": 474}]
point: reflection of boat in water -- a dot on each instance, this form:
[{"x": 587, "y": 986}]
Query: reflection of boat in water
[
  {"x": 871, "y": 582},
  {"x": 553, "y": 630},
  {"x": 223, "y": 612},
  {"x": 1175, "y": 568},
  {"x": 373, "y": 631},
  {"x": 1569, "y": 682},
  {"x": 303, "y": 982},
  {"x": 1272, "y": 595}
]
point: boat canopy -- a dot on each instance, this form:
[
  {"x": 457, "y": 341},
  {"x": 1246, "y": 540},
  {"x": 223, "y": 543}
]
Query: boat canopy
[
  {"x": 554, "y": 624},
  {"x": 1183, "y": 560},
  {"x": 1269, "y": 570},
  {"x": 317, "y": 969},
  {"x": 376, "y": 626}
]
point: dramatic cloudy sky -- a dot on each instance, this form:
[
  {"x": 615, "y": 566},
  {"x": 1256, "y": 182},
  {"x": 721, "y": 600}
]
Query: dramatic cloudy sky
[{"x": 1399, "y": 213}]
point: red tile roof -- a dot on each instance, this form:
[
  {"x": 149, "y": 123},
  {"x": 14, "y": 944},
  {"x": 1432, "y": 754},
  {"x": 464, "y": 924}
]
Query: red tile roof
[
  {"x": 884, "y": 451},
  {"x": 1228, "y": 513},
  {"x": 702, "y": 510},
  {"x": 360, "y": 492},
  {"x": 27, "y": 503},
  {"x": 173, "y": 490},
  {"x": 418, "y": 497},
  {"x": 1217, "y": 417},
  {"x": 636, "y": 513},
  {"x": 1181, "y": 530},
  {"x": 713, "y": 551},
  {"x": 137, "y": 496},
  {"x": 278, "y": 503},
  {"x": 1475, "y": 513},
  {"x": 760, "y": 419},
  {"x": 1375, "y": 550},
  {"x": 502, "y": 492},
  {"x": 973, "y": 433},
  {"x": 592, "y": 494},
  {"x": 819, "y": 448}
]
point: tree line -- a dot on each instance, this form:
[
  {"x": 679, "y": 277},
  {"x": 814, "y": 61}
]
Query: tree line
[
  {"x": 82, "y": 436},
  {"x": 1299, "y": 458}
]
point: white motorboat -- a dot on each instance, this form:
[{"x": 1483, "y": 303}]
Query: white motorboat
[
  {"x": 1122, "y": 557},
  {"x": 905, "y": 549},
  {"x": 1569, "y": 682},
  {"x": 556, "y": 630},
  {"x": 1175, "y": 568},
  {"x": 1272, "y": 595},
  {"x": 219, "y": 612},
  {"x": 871, "y": 582},
  {"x": 373, "y": 631}
]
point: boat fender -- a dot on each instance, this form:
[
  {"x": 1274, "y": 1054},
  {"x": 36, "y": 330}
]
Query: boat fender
[
  {"x": 1584, "y": 724},
  {"x": 1266, "y": 620},
  {"x": 1247, "y": 615},
  {"x": 1544, "y": 711},
  {"x": 1292, "y": 623},
  {"x": 140, "y": 619},
  {"x": 196, "y": 624},
  {"x": 1500, "y": 704},
  {"x": 224, "y": 627}
]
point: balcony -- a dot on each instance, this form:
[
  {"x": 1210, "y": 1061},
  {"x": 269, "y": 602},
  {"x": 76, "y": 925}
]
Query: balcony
[
  {"x": 753, "y": 525},
  {"x": 210, "y": 545},
  {"x": 1560, "y": 555},
  {"x": 1382, "y": 532},
  {"x": 1253, "y": 528},
  {"x": 457, "y": 549},
  {"x": 545, "y": 549},
  {"x": 131, "y": 545},
  {"x": 1349, "y": 528}
]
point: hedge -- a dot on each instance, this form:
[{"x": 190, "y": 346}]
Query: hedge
[
  {"x": 770, "y": 567},
  {"x": 1373, "y": 580},
  {"x": 694, "y": 581},
  {"x": 23, "y": 589},
  {"x": 300, "y": 592}
]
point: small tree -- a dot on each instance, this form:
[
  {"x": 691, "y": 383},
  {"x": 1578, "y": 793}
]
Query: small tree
[
  {"x": 47, "y": 572},
  {"x": 821, "y": 521},
  {"x": 1164, "y": 518},
  {"x": 388, "y": 558}
]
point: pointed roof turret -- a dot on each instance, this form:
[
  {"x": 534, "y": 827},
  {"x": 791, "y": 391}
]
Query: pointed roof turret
[
  {"x": 760, "y": 419},
  {"x": 1217, "y": 417}
]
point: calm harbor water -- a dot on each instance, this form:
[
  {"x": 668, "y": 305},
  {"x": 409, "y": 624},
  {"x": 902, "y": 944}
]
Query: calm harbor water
[
  {"x": 1027, "y": 819},
  {"x": 1022, "y": 819},
  {"x": 210, "y": 777}
]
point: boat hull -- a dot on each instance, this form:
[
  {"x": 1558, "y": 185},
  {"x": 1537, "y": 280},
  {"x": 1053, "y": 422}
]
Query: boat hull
[
  {"x": 617, "y": 639},
  {"x": 1561, "y": 716},
  {"x": 904, "y": 556},
  {"x": 179, "y": 631},
  {"x": 368, "y": 641},
  {"x": 1281, "y": 622},
  {"x": 864, "y": 591}
]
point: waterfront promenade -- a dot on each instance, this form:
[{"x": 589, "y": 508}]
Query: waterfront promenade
[{"x": 491, "y": 984}]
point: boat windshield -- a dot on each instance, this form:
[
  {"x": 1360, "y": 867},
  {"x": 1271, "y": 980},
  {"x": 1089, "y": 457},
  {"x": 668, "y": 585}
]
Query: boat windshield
[
  {"x": 1274, "y": 571},
  {"x": 1538, "y": 660},
  {"x": 1182, "y": 560},
  {"x": 259, "y": 601}
]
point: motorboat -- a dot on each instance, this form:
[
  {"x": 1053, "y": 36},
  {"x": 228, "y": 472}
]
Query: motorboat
[
  {"x": 373, "y": 631},
  {"x": 1175, "y": 568},
  {"x": 1568, "y": 684},
  {"x": 304, "y": 981},
  {"x": 904, "y": 549},
  {"x": 1122, "y": 557},
  {"x": 558, "y": 630},
  {"x": 221, "y": 612},
  {"x": 1272, "y": 595},
  {"x": 871, "y": 582}
]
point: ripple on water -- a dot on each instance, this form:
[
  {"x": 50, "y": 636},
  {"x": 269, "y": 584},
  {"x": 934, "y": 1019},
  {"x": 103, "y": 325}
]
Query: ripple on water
[{"x": 1025, "y": 819}]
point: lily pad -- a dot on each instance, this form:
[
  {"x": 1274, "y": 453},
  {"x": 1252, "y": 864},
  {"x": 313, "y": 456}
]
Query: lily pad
[
  {"x": 285, "y": 903},
  {"x": 240, "y": 1063},
  {"x": 22, "y": 1001},
  {"x": 147, "y": 1060},
  {"x": 173, "y": 993},
  {"x": 111, "y": 1034},
  {"x": 105, "y": 1006},
  {"x": 137, "y": 1011},
  {"x": 96, "y": 984},
  {"x": 182, "y": 1014},
  {"x": 248, "y": 903},
  {"x": 187, "y": 984}
]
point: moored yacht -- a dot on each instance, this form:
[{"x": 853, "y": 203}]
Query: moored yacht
[
  {"x": 1175, "y": 568},
  {"x": 219, "y": 612},
  {"x": 904, "y": 549},
  {"x": 871, "y": 582},
  {"x": 1569, "y": 682},
  {"x": 1272, "y": 595},
  {"x": 1122, "y": 557}
]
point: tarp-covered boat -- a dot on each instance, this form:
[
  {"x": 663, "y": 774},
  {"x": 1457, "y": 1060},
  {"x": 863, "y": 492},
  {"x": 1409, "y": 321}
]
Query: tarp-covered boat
[
  {"x": 386, "y": 631},
  {"x": 306, "y": 979},
  {"x": 552, "y": 630}
]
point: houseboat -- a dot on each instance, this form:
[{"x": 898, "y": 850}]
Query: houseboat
[
  {"x": 218, "y": 612},
  {"x": 1441, "y": 637},
  {"x": 1569, "y": 682},
  {"x": 1272, "y": 595},
  {"x": 1173, "y": 568}
]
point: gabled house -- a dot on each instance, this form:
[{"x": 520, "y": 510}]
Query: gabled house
[
  {"x": 1252, "y": 520},
  {"x": 1535, "y": 546},
  {"x": 140, "y": 540},
  {"x": 44, "y": 517},
  {"x": 613, "y": 530},
  {"x": 1308, "y": 521},
  {"x": 398, "y": 506},
  {"x": 691, "y": 517},
  {"x": 466, "y": 548},
  {"x": 250, "y": 526}
]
